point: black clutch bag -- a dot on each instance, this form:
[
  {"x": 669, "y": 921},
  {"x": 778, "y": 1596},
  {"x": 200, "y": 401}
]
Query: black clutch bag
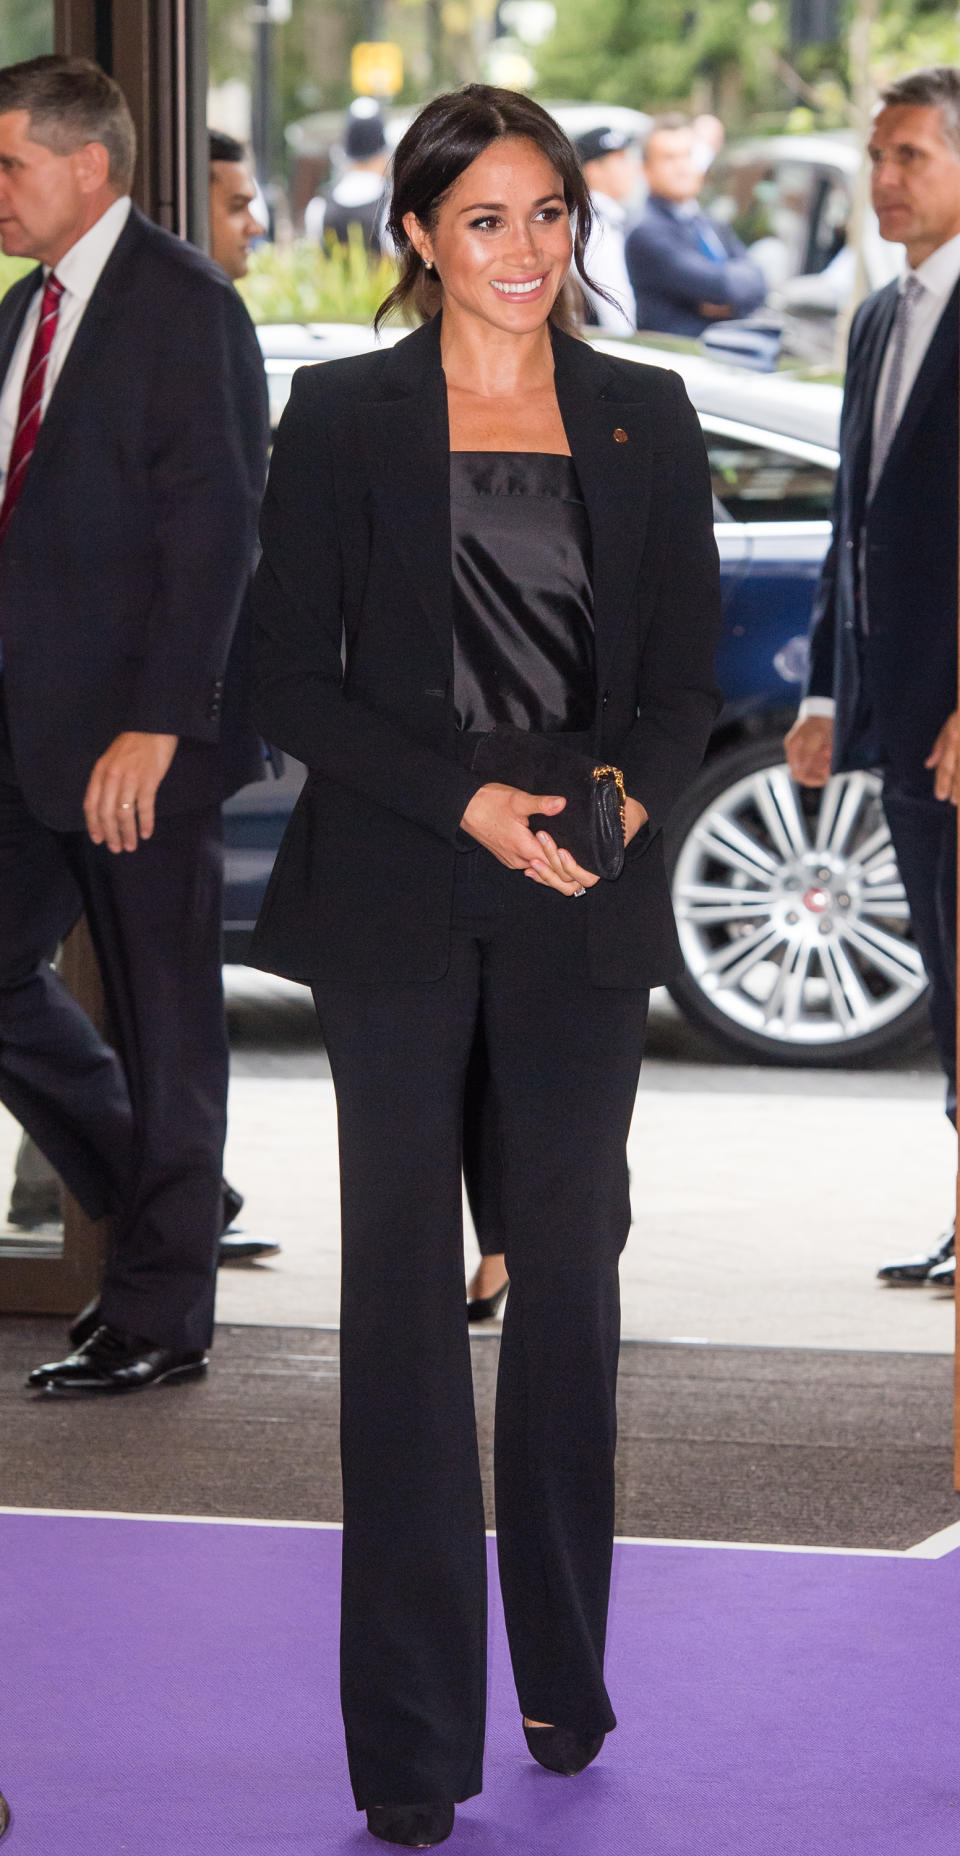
[{"x": 592, "y": 825}]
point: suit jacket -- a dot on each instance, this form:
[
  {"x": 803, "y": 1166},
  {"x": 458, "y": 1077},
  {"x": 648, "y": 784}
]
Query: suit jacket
[
  {"x": 672, "y": 275},
  {"x": 125, "y": 562},
  {"x": 896, "y": 683},
  {"x": 353, "y": 653}
]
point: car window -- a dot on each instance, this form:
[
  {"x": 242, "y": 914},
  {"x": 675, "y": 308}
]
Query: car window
[
  {"x": 756, "y": 481},
  {"x": 829, "y": 216},
  {"x": 765, "y": 201}
]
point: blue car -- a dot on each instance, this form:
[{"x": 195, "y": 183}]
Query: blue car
[{"x": 793, "y": 921}]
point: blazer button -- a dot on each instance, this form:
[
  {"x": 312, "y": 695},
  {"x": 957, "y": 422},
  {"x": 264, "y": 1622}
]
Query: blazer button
[{"x": 620, "y": 436}]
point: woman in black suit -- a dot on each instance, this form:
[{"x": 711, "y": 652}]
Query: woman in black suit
[{"x": 486, "y": 523}]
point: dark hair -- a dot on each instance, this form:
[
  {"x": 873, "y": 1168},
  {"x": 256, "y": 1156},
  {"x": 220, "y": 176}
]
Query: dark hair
[
  {"x": 936, "y": 87},
  {"x": 225, "y": 147},
  {"x": 665, "y": 125},
  {"x": 440, "y": 144},
  {"x": 71, "y": 101}
]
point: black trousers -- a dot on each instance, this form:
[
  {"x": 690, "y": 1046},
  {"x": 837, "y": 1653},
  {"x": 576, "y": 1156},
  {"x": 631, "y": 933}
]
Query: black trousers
[
  {"x": 924, "y": 833},
  {"x": 482, "y": 1161},
  {"x": 136, "y": 1130},
  {"x": 564, "y": 1059}
]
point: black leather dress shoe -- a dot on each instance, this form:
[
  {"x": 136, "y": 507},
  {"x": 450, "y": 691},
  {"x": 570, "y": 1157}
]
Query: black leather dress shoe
[
  {"x": 917, "y": 1269},
  {"x": 484, "y": 1307},
  {"x": 112, "y": 1361},
  {"x": 416, "y": 1826},
  {"x": 237, "y": 1247},
  {"x": 232, "y": 1204},
  {"x": 561, "y": 1751},
  {"x": 943, "y": 1275}
]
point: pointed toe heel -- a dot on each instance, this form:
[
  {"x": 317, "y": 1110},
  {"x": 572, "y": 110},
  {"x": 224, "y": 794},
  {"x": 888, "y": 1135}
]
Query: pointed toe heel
[
  {"x": 486, "y": 1307},
  {"x": 416, "y": 1826},
  {"x": 559, "y": 1750}
]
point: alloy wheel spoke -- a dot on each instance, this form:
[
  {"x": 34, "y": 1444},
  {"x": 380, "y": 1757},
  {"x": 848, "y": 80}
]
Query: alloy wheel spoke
[
  {"x": 780, "y": 810},
  {"x": 785, "y": 1003},
  {"x": 851, "y": 1001},
  {"x": 874, "y": 854},
  {"x": 738, "y": 957},
  {"x": 709, "y": 903},
  {"x": 837, "y": 820},
  {"x": 887, "y": 901},
  {"x": 898, "y": 960},
  {"x": 725, "y": 841}
]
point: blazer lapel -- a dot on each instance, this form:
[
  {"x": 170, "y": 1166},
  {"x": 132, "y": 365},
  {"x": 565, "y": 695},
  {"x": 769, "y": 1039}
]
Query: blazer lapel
[
  {"x": 105, "y": 301},
  {"x": 406, "y": 437},
  {"x": 940, "y": 361},
  {"x": 612, "y": 451},
  {"x": 876, "y": 341}
]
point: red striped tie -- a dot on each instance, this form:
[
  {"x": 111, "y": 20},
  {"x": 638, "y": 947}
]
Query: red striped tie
[{"x": 31, "y": 400}]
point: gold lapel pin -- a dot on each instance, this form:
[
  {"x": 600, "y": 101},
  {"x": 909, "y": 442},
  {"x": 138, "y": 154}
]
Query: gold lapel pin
[{"x": 620, "y": 435}]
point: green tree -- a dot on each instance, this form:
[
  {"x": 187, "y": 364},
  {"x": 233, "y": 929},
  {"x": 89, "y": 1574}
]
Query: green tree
[
  {"x": 732, "y": 54},
  {"x": 650, "y": 53},
  {"x": 26, "y": 29}
]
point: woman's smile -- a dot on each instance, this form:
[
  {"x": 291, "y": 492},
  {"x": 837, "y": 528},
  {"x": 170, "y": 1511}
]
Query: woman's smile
[{"x": 519, "y": 287}]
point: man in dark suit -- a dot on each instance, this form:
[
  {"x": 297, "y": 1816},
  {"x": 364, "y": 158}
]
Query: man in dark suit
[
  {"x": 687, "y": 270},
  {"x": 35, "y": 1199},
  {"x": 132, "y": 440},
  {"x": 882, "y": 688}
]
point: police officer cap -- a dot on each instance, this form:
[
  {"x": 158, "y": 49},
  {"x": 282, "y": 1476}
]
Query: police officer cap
[
  {"x": 364, "y": 135},
  {"x": 595, "y": 143}
]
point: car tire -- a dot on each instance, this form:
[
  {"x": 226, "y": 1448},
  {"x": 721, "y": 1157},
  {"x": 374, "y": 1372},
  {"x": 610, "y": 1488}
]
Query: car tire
[{"x": 792, "y": 917}]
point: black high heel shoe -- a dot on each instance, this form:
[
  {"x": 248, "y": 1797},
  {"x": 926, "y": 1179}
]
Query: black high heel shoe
[
  {"x": 484, "y": 1307},
  {"x": 561, "y": 1751},
  {"x": 416, "y": 1826}
]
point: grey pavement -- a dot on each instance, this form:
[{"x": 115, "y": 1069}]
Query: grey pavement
[{"x": 763, "y": 1199}]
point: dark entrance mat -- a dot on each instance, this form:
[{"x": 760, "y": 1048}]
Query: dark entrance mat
[{"x": 775, "y": 1445}]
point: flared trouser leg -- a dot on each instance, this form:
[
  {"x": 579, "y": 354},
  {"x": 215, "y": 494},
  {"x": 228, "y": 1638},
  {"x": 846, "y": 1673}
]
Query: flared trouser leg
[
  {"x": 413, "y": 1618},
  {"x": 565, "y": 1058}
]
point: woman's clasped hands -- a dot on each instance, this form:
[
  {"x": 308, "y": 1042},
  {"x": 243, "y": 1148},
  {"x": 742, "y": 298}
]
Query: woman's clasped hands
[{"x": 498, "y": 817}]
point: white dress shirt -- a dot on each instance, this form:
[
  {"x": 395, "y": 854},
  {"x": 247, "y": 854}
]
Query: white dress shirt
[
  {"x": 606, "y": 263},
  {"x": 79, "y": 272},
  {"x": 938, "y": 274}
]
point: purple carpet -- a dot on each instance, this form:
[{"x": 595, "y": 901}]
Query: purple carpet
[{"x": 170, "y": 1690}]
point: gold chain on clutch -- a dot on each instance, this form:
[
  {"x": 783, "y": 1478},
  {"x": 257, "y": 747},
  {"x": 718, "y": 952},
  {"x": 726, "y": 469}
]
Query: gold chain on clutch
[{"x": 605, "y": 773}]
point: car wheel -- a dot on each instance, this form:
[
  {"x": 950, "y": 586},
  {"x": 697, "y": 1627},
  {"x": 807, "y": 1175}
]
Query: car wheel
[{"x": 792, "y": 917}]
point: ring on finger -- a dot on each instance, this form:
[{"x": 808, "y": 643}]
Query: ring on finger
[
  {"x": 127, "y": 805},
  {"x": 579, "y": 891}
]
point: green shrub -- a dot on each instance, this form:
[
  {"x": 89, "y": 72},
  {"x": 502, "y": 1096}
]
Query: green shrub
[
  {"x": 11, "y": 269},
  {"x": 306, "y": 283}
]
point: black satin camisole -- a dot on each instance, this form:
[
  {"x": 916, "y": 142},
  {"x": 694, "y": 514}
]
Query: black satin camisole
[{"x": 522, "y": 593}]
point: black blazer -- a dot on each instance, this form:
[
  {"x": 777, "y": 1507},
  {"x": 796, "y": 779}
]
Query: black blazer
[
  {"x": 125, "y": 563},
  {"x": 672, "y": 275},
  {"x": 357, "y": 553},
  {"x": 894, "y": 687}
]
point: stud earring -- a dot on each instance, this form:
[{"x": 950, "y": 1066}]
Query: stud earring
[{"x": 428, "y": 264}]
